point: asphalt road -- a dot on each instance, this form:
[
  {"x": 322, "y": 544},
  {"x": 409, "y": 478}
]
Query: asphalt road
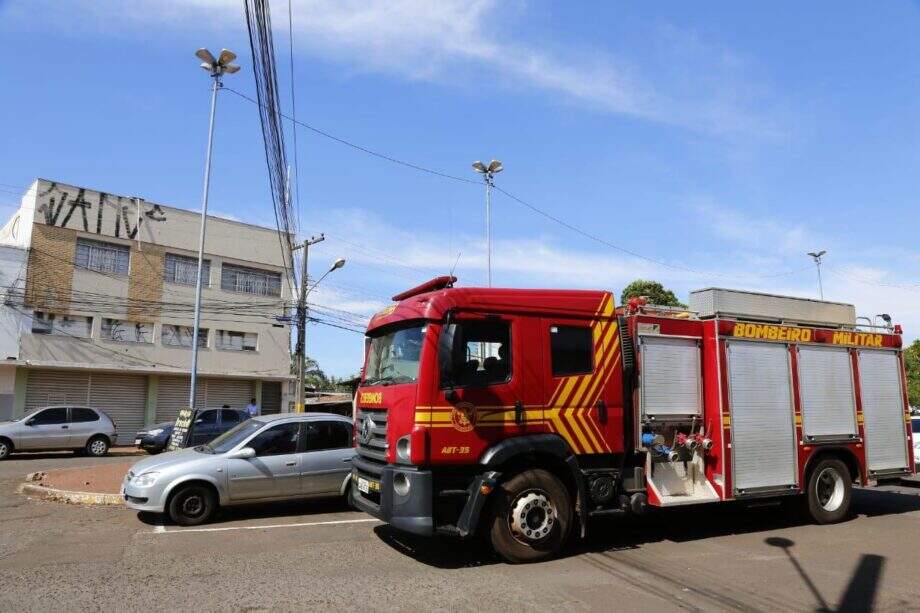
[{"x": 322, "y": 555}]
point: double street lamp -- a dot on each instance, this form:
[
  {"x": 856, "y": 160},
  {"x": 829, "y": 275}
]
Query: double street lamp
[
  {"x": 216, "y": 68},
  {"x": 816, "y": 256},
  {"x": 488, "y": 175}
]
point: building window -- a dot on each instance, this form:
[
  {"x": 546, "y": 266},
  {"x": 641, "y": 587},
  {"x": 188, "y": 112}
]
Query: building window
[
  {"x": 250, "y": 280},
  {"x": 571, "y": 350},
  {"x": 127, "y": 331},
  {"x": 237, "y": 341},
  {"x": 181, "y": 336},
  {"x": 184, "y": 270},
  {"x": 75, "y": 326},
  {"x": 102, "y": 257}
]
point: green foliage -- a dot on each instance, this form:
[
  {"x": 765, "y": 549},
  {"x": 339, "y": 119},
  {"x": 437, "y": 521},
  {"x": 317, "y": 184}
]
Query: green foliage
[
  {"x": 315, "y": 378},
  {"x": 653, "y": 290},
  {"x": 912, "y": 366}
]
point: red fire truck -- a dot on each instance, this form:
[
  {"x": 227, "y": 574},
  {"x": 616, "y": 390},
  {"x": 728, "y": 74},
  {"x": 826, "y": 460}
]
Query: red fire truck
[{"x": 520, "y": 414}]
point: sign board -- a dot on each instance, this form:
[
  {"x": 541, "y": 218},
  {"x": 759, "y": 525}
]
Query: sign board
[{"x": 182, "y": 430}]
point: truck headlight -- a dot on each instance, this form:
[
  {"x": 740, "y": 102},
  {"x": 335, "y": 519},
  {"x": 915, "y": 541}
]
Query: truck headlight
[
  {"x": 147, "y": 479},
  {"x": 404, "y": 449}
]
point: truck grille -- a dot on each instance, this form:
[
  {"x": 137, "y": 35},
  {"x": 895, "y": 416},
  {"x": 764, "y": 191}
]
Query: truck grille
[{"x": 372, "y": 438}]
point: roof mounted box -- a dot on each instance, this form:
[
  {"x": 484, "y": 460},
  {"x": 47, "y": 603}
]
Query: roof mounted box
[{"x": 737, "y": 304}]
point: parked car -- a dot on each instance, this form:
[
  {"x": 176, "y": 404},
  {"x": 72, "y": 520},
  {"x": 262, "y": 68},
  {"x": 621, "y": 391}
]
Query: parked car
[
  {"x": 915, "y": 428},
  {"x": 82, "y": 429},
  {"x": 209, "y": 424},
  {"x": 266, "y": 458}
]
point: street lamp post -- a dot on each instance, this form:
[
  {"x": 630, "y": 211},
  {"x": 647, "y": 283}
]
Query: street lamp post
[
  {"x": 216, "y": 68},
  {"x": 301, "y": 347},
  {"x": 816, "y": 256},
  {"x": 488, "y": 175}
]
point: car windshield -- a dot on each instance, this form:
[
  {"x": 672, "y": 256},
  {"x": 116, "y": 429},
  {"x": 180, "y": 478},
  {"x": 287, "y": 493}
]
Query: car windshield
[
  {"x": 394, "y": 357},
  {"x": 234, "y": 436}
]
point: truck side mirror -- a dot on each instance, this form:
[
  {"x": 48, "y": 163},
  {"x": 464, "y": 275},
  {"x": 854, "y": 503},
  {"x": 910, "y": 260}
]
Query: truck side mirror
[{"x": 446, "y": 355}]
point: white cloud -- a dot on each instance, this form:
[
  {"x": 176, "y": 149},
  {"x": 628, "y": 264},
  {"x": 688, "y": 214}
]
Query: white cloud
[{"x": 454, "y": 41}]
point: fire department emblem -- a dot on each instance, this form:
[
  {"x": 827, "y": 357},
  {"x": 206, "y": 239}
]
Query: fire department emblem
[
  {"x": 463, "y": 417},
  {"x": 367, "y": 430}
]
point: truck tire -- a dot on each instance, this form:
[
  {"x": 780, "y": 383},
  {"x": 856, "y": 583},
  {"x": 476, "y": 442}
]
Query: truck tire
[
  {"x": 830, "y": 490},
  {"x": 530, "y": 517}
]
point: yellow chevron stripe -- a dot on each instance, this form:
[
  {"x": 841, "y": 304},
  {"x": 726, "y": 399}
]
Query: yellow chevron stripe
[
  {"x": 595, "y": 443},
  {"x": 600, "y": 362},
  {"x": 602, "y": 377}
]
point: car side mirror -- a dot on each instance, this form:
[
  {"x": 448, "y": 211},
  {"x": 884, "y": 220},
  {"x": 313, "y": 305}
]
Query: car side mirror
[
  {"x": 246, "y": 453},
  {"x": 199, "y": 421},
  {"x": 30, "y": 422}
]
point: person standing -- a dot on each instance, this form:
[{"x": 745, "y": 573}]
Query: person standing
[{"x": 252, "y": 408}]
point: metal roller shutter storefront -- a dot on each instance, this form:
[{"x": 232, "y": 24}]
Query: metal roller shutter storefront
[
  {"x": 172, "y": 394},
  {"x": 271, "y": 397},
  {"x": 122, "y": 397}
]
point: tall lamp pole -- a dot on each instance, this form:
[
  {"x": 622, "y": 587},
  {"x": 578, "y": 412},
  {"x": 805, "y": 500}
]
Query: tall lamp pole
[
  {"x": 488, "y": 175},
  {"x": 300, "y": 348},
  {"x": 216, "y": 68},
  {"x": 816, "y": 256}
]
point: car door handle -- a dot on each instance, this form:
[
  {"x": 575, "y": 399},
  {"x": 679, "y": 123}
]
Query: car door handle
[
  {"x": 290, "y": 463},
  {"x": 64, "y": 427},
  {"x": 347, "y": 460}
]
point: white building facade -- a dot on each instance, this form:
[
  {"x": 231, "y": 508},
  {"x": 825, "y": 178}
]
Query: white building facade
[{"x": 105, "y": 308}]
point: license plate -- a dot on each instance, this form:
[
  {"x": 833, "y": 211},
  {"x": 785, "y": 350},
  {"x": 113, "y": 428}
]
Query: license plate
[
  {"x": 137, "y": 441},
  {"x": 367, "y": 486}
]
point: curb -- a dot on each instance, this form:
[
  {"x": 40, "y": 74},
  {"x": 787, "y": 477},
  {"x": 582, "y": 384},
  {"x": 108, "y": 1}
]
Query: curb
[
  {"x": 87, "y": 498},
  {"x": 910, "y": 482}
]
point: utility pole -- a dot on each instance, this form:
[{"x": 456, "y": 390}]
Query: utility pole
[
  {"x": 302, "y": 318},
  {"x": 216, "y": 68},
  {"x": 816, "y": 256},
  {"x": 488, "y": 174}
]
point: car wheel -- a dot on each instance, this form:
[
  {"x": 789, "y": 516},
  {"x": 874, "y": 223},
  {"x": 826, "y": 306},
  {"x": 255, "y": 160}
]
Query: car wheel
[
  {"x": 6, "y": 448},
  {"x": 97, "y": 446},
  {"x": 530, "y": 517},
  {"x": 829, "y": 492},
  {"x": 192, "y": 505}
]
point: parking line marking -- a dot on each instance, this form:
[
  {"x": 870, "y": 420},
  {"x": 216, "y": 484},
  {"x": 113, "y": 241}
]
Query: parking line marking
[
  {"x": 163, "y": 530},
  {"x": 159, "y": 528}
]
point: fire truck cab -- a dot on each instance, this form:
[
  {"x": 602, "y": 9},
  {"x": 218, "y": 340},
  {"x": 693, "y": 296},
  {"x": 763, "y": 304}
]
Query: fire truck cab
[{"x": 518, "y": 414}]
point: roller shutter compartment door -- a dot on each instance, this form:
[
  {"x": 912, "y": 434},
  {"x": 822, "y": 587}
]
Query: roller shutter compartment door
[
  {"x": 671, "y": 384},
  {"x": 826, "y": 392},
  {"x": 883, "y": 411},
  {"x": 271, "y": 397},
  {"x": 172, "y": 395},
  {"x": 44, "y": 387},
  {"x": 234, "y": 392},
  {"x": 762, "y": 418},
  {"x": 123, "y": 398}
]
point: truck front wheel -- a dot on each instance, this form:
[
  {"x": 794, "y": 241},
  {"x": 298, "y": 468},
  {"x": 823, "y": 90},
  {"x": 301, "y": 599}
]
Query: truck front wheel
[{"x": 531, "y": 515}]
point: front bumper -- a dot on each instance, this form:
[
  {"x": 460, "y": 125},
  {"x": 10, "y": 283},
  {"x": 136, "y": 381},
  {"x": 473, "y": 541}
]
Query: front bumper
[
  {"x": 150, "y": 443},
  {"x": 149, "y": 499},
  {"x": 410, "y": 513}
]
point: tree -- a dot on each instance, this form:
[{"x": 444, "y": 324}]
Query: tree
[
  {"x": 912, "y": 366},
  {"x": 653, "y": 290}
]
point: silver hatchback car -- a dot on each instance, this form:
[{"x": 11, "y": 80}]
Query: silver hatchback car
[
  {"x": 82, "y": 429},
  {"x": 267, "y": 458}
]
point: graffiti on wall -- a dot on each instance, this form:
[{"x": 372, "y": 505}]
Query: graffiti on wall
[{"x": 91, "y": 211}]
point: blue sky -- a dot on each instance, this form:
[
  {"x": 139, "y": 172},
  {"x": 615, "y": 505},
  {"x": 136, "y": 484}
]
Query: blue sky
[{"x": 724, "y": 138}]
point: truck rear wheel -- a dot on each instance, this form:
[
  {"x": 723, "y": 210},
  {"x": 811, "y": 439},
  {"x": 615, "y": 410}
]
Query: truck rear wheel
[
  {"x": 829, "y": 492},
  {"x": 530, "y": 518}
]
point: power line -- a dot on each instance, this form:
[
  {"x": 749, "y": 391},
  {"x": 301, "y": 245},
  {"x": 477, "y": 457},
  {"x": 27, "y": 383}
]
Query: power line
[
  {"x": 294, "y": 113},
  {"x": 521, "y": 201}
]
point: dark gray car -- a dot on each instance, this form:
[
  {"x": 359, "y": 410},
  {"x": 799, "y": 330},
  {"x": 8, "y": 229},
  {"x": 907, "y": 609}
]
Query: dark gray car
[
  {"x": 271, "y": 457},
  {"x": 82, "y": 429}
]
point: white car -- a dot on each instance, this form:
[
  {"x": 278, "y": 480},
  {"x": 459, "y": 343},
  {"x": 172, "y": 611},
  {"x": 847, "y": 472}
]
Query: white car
[{"x": 915, "y": 427}]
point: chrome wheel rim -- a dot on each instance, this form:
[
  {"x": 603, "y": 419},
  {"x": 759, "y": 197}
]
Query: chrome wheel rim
[
  {"x": 532, "y": 516},
  {"x": 829, "y": 489},
  {"x": 4, "y": 450},
  {"x": 97, "y": 448}
]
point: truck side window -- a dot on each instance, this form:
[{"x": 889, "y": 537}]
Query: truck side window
[
  {"x": 480, "y": 355},
  {"x": 572, "y": 350}
]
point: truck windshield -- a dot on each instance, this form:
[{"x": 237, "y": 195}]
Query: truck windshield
[{"x": 394, "y": 357}]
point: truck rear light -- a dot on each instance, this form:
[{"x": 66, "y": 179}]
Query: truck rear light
[{"x": 418, "y": 446}]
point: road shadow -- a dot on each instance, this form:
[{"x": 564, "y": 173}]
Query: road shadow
[
  {"x": 264, "y": 510},
  {"x": 679, "y": 525}
]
